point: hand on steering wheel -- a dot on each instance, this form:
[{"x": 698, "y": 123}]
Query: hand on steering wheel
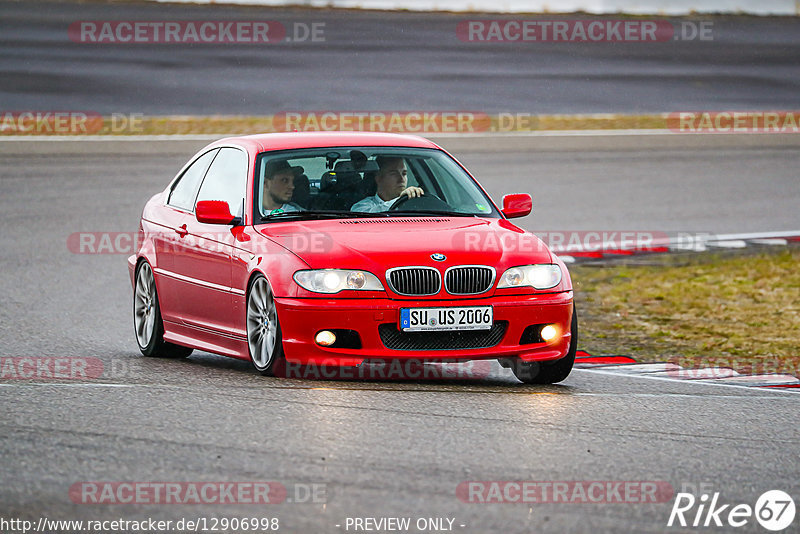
[
  {"x": 407, "y": 194},
  {"x": 412, "y": 192}
]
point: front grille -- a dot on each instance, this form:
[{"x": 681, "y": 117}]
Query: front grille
[
  {"x": 396, "y": 339},
  {"x": 417, "y": 281},
  {"x": 469, "y": 280}
]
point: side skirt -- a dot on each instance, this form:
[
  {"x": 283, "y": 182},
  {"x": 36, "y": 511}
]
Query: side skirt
[{"x": 197, "y": 338}]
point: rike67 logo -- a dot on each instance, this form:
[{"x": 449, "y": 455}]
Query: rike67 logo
[{"x": 774, "y": 510}]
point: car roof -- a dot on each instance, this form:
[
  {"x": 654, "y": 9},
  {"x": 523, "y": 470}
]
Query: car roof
[{"x": 290, "y": 140}]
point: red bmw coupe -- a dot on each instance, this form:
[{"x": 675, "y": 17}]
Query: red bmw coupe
[{"x": 338, "y": 249}]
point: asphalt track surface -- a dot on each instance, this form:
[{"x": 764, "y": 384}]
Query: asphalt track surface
[
  {"x": 385, "y": 61},
  {"x": 381, "y": 449}
]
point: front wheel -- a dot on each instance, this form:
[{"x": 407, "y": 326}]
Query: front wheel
[
  {"x": 550, "y": 372},
  {"x": 147, "y": 321},
  {"x": 263, "y": 330}
]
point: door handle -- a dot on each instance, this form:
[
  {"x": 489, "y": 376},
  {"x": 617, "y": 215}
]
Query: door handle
[{"x": 182, "y": 231}]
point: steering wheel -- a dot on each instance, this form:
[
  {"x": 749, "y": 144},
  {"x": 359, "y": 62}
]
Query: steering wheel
[{"x": 425, "y": 202}]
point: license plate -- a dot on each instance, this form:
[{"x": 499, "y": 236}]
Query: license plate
[{"x": 466, "y": 318}]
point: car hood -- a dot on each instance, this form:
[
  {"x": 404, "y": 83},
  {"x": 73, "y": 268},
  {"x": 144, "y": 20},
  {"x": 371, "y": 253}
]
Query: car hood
[{"x": 379, "y": 244}]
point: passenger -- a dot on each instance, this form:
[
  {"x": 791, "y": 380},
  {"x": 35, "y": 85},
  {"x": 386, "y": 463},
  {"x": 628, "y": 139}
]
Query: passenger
[
  {"x": 279, "y": 186},
  {"x": 392, "y": 181}
]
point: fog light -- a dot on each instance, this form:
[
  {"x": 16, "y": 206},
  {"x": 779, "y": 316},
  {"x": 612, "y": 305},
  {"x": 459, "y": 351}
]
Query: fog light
[
  {"x": 326, "y": 338},
  {"x": 549, "y": 332}
]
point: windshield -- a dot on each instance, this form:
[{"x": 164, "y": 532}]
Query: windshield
[{"x": 364, "y": 181}]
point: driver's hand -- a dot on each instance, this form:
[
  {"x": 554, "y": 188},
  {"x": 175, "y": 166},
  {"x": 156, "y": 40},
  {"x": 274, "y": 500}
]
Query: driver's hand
[{"x": 412, "y": 192}]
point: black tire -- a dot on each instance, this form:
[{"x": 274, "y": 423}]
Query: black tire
[
  {"x": 147, "y": 324},
  {"x": 264, "y": 337},
  {"x": 554, "y": 371}
]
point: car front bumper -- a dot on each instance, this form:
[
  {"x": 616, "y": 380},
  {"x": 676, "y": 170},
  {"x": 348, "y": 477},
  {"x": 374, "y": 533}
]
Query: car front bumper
[{"x": 376, "y": 322}]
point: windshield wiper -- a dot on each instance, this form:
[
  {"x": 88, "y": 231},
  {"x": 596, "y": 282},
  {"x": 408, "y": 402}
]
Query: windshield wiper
[
  {"x": 320, "y": 214},
  {"x": 432, "y": 212}
]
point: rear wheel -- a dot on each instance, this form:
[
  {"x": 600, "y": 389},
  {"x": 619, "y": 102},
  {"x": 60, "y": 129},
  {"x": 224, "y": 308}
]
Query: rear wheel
[
  {"x": 550, "y": 372},
  {"x": 147, "y": 321},
  {"x": 263, "y": 330}
]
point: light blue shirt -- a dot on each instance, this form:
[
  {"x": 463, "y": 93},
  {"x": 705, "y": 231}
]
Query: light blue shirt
[{"x": 373, "y": 204}]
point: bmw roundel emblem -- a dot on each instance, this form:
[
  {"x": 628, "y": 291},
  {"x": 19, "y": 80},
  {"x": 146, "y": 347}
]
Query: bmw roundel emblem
[{"x": 438, "y": 257}]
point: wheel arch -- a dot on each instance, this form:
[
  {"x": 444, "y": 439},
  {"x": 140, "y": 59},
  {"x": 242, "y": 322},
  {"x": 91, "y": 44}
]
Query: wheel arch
[
  {"x": 142, "y": 259},
  {"x": 251, "y": 277}
]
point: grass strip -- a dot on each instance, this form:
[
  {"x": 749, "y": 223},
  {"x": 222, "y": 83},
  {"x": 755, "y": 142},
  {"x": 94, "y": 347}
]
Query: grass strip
[{"x": 738, "y": 310}]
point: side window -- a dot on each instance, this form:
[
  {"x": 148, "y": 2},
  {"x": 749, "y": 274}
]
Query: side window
[
  {"x": 185, "y": 189},
  {"x": 226, "y": 179}
]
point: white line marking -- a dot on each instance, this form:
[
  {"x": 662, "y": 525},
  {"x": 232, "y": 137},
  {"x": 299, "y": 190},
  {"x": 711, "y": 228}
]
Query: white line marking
[
  {"x": 690, "y": 395},
  {"x": 677, "y": 381},
  {"x": 180, "y": 137},
  {"x": 697, "y": 243},
  {"x": 432, "y": 135},
  {"x": 758, "y": 235},
  {"x": 597, "y": 133},
  {"x": 730, "y": 243},
  {"x": 59, "y": 384},
  {"x": 638, "y": 368},
  {"x": 778, "y": 242}
]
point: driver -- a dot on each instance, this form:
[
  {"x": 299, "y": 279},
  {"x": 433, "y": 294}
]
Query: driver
[
  {"x": 279, "y": 185},
  {"x": 392, "y": 181}
]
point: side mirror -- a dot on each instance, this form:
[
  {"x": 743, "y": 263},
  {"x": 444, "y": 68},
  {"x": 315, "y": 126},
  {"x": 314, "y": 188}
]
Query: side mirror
[
  {"x": 517, "y": 205},
  {"x": 213, "y": 212}
]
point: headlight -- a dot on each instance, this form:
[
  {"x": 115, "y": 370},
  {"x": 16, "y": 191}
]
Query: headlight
[
  {"x": 543, "y": 276},
  {"x": 335, "y": 280}
]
